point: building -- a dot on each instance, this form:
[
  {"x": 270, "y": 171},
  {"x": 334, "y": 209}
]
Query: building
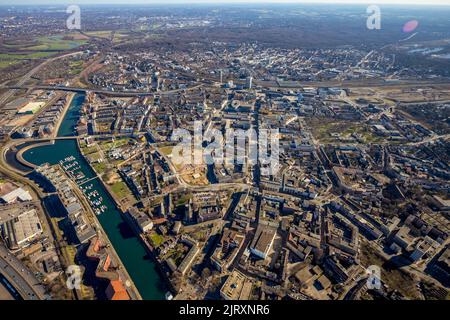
[
  {"x": 138, "y": 220},
  {"x": 15, "y": 195},
  {"x": 20, "y": 230},
  {"x": 191, "y": 255},
  {"x": 441, "y": 204},
  {"x": 249, "y": 83},
  {"x": 116, "y": 291},
  {"x": 262, "y": 242},
  {"x": 31, "y": 108},
  {"x": 441, "y": 267},
  {"x": 236, "y": 287},
  {"x": 227, "y": 249},
  {"x": 403, "y": 237},
  {"x": 422, "y": 248}
]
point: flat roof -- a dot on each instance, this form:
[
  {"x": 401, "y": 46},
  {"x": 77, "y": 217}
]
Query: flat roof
[{"x": 32, "y": 107}]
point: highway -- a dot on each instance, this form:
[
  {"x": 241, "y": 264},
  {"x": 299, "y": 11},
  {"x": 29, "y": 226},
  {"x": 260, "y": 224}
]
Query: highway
[
  {"x": 99, "y": 91},
  {"x": 371, "y": 83},
  {"x": 19, "y": 276},
  {"x": 26, "y": 77}
]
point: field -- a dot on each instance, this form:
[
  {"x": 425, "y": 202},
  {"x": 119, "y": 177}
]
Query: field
[
  {"x": 75, "y": 67},
  {"x": 184, "y": 199},
  {"x": 12, "y": 53},
  {"x": 100, "y": 167},
  {"x": 108, "y": 145},
  {"x": 88, "y": 150},
  {"x": 7, "y": 63},
  {"x": 55, "y": 43},
  {"x": 156, "y": 239},
  {"x": 99, "y": 34},
  {"x": 332, "y": 131},
  {"x": 396, "y": 279},
  {"x": 120, "y": 189},
  {"x": 433, "y": 116},
  {"x": 13, "y": 58}
]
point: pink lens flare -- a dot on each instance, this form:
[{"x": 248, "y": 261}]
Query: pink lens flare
[{"x": 410, "y": 26}]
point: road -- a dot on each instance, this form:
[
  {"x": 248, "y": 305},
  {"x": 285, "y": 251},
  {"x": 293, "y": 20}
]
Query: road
[
  {"x": 406, "y": 268},
  {"x": 353, "y": 291},
  {"x": 100, "y": 91},
  {"x": 19, "y": 276},
  {"x": 16, "y": 142},
  {"x": 352, "y": 84},
  {"x": 7, "y": 95}
]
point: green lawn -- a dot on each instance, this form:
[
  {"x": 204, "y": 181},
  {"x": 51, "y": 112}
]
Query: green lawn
[
  {"x": 89, "y": 150},
  {"x": 120, "y": 189},
  {"x": 75, "y": 67},
  {"x": 56, "y": 43},
  {"x": 7, "y": 59},
  {"x": 40, "y": 48},
  {"x": 177, "y": 254},
  {"x": 156, "y": 239},
  {"x": 107, "y": 145},
  {"x": 100, "y": 167},
  {"x": 4, "y": 64},
  {"x": 184, "y": 199}
]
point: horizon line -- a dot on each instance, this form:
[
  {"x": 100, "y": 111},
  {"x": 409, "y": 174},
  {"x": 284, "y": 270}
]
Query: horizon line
[{"x": 230, "y": 2}]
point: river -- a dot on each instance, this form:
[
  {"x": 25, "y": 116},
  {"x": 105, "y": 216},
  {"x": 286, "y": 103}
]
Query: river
[{"x": 129, "y": 248}]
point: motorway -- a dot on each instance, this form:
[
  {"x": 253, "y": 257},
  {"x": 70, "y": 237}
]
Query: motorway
[
  {"x": 99, "y": 91},
  {"x": 20, "y": 277},
  {"x": 25, "y": 78},
  {"x": 266, "y": 84}
]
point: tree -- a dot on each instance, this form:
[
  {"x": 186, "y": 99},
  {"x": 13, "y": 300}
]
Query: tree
[{"x": 206, "y": 273}]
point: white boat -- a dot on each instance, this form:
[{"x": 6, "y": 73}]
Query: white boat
[{"x": 169, "y": 296}]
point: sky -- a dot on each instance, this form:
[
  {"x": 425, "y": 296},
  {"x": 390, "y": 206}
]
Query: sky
[{"x": 80, "y": 2}]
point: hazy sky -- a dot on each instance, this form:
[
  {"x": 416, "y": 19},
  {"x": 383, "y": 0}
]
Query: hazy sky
[{"x": 425, "y": 2}]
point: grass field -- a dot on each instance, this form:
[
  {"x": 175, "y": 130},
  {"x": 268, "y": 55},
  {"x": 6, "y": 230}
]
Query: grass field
[
  {"x": 120, "y": 189},
  {"x": 75, "y": 67},
  {"x": 42, "y": 47},
  {"x": 395, "y": 278},
  {"x": 10, "y": 59},
  {"x": 6, "y": 63},
  {"x": 184, "y": 199},
  {"x": 108, "y": 145},
  {"x": 100, "y": 167},
  {"x": 100, "y": 34},
  {"x": 23, "y": 56},
  {"x": 56, "y": 43},
  {"x": 89, "y": 150},
  {"x": 323, "y": 129},
  {"x": 156, "y": 239}
]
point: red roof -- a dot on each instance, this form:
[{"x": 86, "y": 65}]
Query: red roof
[{"x": 116, "y": 291}]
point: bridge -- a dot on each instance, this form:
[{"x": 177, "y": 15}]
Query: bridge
[
  {"x": 99, "y": 91},
  {"x": 48, "y": 139},
  {"x": 23, "y": 281}
]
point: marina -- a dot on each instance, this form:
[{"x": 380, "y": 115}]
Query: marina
[
  {"x": 129, "y": 248},
  {"x": 73, "y": 169}
]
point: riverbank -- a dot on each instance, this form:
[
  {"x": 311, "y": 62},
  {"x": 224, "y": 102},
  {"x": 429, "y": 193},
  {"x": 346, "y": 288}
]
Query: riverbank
[
  {"x": 129, "y": 282},
  {"x": 129, "y": 248},
  {"x": 150, "y": 251},
  {"x": 69, "y": 102}
]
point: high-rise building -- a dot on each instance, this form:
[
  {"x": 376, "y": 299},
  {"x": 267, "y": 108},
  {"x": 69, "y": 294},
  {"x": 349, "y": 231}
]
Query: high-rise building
[{"x": 249, "y": 82}]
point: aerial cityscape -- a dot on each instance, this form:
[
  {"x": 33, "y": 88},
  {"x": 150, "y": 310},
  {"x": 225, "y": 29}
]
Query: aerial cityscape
[{"x": 224, "y": 151}]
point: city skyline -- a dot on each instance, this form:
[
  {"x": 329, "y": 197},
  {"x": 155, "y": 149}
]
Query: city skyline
[
  {"x": 159, "y": 2},
  {"x": 194, "y": 153}
]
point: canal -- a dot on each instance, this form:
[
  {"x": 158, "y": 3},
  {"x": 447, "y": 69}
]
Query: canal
[{"x": 130, "y": 249}]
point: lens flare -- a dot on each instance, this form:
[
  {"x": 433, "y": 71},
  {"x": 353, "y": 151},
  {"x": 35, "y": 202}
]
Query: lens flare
[{"x": 410, "y": 26}]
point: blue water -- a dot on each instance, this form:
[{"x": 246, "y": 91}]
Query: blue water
[{"x": 129, "y": 248}]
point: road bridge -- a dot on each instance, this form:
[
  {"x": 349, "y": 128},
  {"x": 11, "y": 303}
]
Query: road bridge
[{"x": 18, "y": 275}]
